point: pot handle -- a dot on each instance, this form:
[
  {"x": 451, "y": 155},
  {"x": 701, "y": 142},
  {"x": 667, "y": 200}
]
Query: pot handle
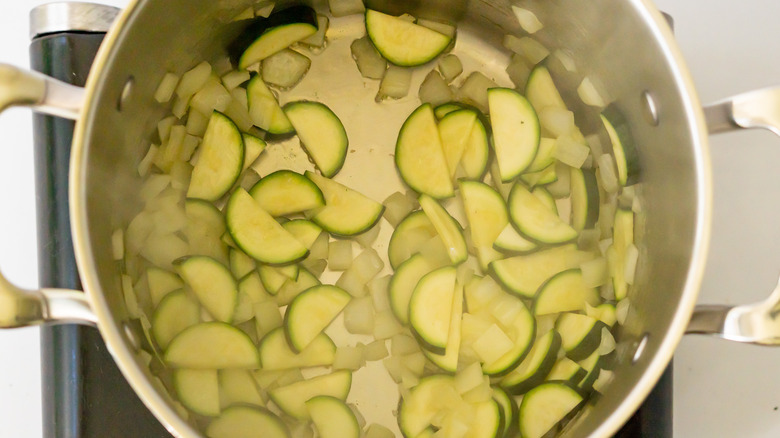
[
  {"x": 20, "y": 307},
  {"x": 757, "y": 323}
]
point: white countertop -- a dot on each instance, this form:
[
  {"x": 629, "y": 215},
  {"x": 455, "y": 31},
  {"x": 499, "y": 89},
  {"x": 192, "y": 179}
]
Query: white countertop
[{"x": 721, "y": 389}]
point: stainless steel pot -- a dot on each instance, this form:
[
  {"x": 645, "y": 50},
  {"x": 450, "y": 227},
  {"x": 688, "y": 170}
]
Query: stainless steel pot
[{"x": 624, "y": 44}]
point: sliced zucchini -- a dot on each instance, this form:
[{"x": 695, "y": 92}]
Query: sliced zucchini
[
  {"x": 487, "y": 216},
  {"x": 280, "y": 30},
  {"x": 402, "y": 42},
  {"x": 212, "y": 345},
  {"x": 292, "y": 288},
  {"x": 541, "y": 90},
  {"x": 264, "y": 110},
  {"x": 321, "y": 133},
  {"x": 221, "y": 159},
  {"x": 566, "y": 371},
  {"x": 623, "y": 145},
  {"x": 521, "y": 329},
  {"x": 238, "y": 387},
  {"x": 419, "y": 155},
  {"x": 305, "y": 231},
  {"x": 258, "y": 234},
  {"x": 449, "y": 360},
  {"x": 580, "y": 334},
  {"x": 524, "y": 274},
  {"x": 592, "y": 366},
  {"x": 584, "y": 199},
  {"x": 346, "y": 211},
  {"x": 409, "y": 237},
  {"x": 285, "y": 68},
  {"x": 276, "y": 354},
  {"x": 510, "y": 241},
  {"x": 198, "y": 390},
  {"x": 161, "y": 282},
  {"x": 447, "y": 228},
  {"x": 545, "y": 408},
  {"x": 455, "y": 132},
  {"x": 442, "y": 110},
  {"x": 252, "y": 286},
  {"x": 175, "y": 313},
  {"x": 402, "y": 284},
  {"x": 332, "y": 417},
  {"x": 548, "y": 175},
  {"x": 285, "y": 192},
  {"x": 240, "y": 263},
  {"x": 622, "y": 237},
  {"x": 247, "y": 422},
  {"x": 423, "y": 403},
  {"x": 605, "y": 313},
  {"x": 253, "y": 147},
  {"x": 475, "y": 157},
  {"x": 292, "y": 398},
  {"x": 545, "y": 156},
  {"x": 536, "y": 365},
  {"x": 430, "y": 308},
  {"x": 565, "y": 292},
  {"x": 516, "y": 131},
  {"x": 311, "y": 312},
  {"x": 508, "y": 409},
  {"x": 534, "y": 220},
  {"x": 273, "y": 278},
  {"x": 546, "y": 197},
  {"x": 213, "y": 284}
]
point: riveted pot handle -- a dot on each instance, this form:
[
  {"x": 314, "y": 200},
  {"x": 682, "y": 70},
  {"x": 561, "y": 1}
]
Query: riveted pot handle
[
  {"x": 43, "y": 94},
  {"x": 757, "y": 323}
]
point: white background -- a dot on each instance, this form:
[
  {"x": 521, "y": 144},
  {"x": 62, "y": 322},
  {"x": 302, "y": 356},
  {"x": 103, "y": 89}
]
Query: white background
[{"x": 721, "y": 389}]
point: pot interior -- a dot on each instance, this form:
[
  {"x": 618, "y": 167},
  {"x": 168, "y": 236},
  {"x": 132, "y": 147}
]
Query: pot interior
[{"x": 617, "y": 43}]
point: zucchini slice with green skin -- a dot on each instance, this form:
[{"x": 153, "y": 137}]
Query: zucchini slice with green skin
[
  {"x": 584, "y": 199},
  {"x": 321, "y": 133},
  {"x": 258, "y": 234},
  {"x": 486, "y": 213},
  {"x": 622, "y": 237},
  {"x": 253, "y": 147},
  {"x": 430, "y": 308},
  {"x": 332, "y": 417},
  {"x": 239, "y": 387},
  {"x": 534, "y": 219},
  {"x": 247, "y": 422},
  {"x": 292, "y": 398},
  {"x": 604, "y": 312},
  {"x": 448, "y": 229},
  {"x": 401, "y": 42},
  {"x": 623, "y": 145},
  {"x": 212, "y": 345},
  {"x": 346, "y": 211},
  {"x": 516, "y": 131},
  {"x": 403, "y": 283},
  {"x": 591, "y": 367},
  {"x": 409, "y": 237},
  {"x": 311, "y": 312},
  {"x": 267, "y": 36},
  {"x": 545, "y": 156},
  {"x": 524, "y": 274},
  {"x": 508, "y": 409},
  {"x": 419, "y": 155},
  {"x": 455, "y": 132},
  {"x": 449, "y": 360},
  {"x": 446, "y": 108},
  {"x": 264, "y": 110},
  {"x": 286, "y": 192},
  {"x": 546, "y": 197},
  {"x": 276, "y": 354},
  {"x": 273, "y": 278},
  {"x": 221, "y": 159},
  {"x": 292, "y": 288},
  {"x": 565, "y": 292},
  {"x": 543, "y": 177},
  {"x": 477, "y": 154},
  {"x": 213, "y": 284},
  {"x": 198, "y": 390},
  {"x": 176, "y": 312},
  {"x": 580, "y": 334},
  {"x": 546, "y": 407},
  {"x": 536, "y": 365},
  {"x": 304, "y": 230},
  {"x": 510, "y": 241},
  {"x": 566, "y": 371},
  {"x": 522, "y": 331},
  {"x": 541, "y": 90}
]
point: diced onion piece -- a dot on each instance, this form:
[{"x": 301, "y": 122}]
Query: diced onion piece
[
  {"x": 571, "y": 152},
  {"x": 285, "y": 68},
  {"x": 386, "y": 326},
  {"x": 566, "y": 60},
  {"x": 533, "y": 50},
  {"x": 632, "y": 256},
  {"x": 594, "y": 142},
  {"x": 518, "y": 71},
  {"x": 222, "y": 65},
  {"x": 407, "y": 17},
  {"x": 193, "y": 80},
  {"x": 367, "y": 238},
  {"x": 349, "y": 358},
  {"x": 621, "y": 310},
  {"x": 212, "y": 97},
  {"x": 180, "y": 106},
  {"x": 527, "y": 20},
  {"x": 340, "y": 8},
  {"x": 320, "y": 249},
  {"x": 375, "y": 430},
  {"x": 340, "y": 255},
  {"x": 315, "y": 266},
  {"x": 607, "y": 173},
  {"x": 264, "y": 10},
  {"x": 395, "y": 84},
  {"x": 558, "y": 121},
  {"x": 607, "y": 344},
  {"x": 605, "y": 376},
  {"x": 442, "y": 28},
  {"x": 235, "y": 78},
  {"x": 163, "y": 250},
  {"x": 434, "y": 90},
  {"x": 394, "y": 368},
  {"x": 403, "y": 344},
  {"x": 482, "y": 294},
  {"x": 188, "y": 147},
  {"x": 131, "y": 300},
  {"x": 369, "y": 61},
  {"x": 397, "y": 207},
  {"x": 594, "y": 272},
  {"x": 267, "y": 317},
  {"x": 377, "y": 288},
  {"x": 367, "y": 265},
  {"x": 589, "y": 94},
  {"x": 181, "y": 172},
  {"x": 626, "y": 197},
  {"x": 474, "y": 90},
  {"x": 492, "y": 344},
  {"x": 607, "y": 291},
  {"x": 450, "y": 67},
  {"x": 153, "y": 186},
  {"x": 238, "y": 111},
  {"x": 589, "y": 239},
  {"x": 164, "y": 128},
  {"x": 415, "y": 362},
  {"x": 196, "y": 123},
  {"x": 359, "y": 316},
  {"x": 469, "y": 378},
  {"x": 512, "y": 43},
  {"x": 376, "y": 350},
  {"x": 318, "y": 39},
  {"x": 561, "y": 187},
  {"x": 481, "y": 393},
  {"x": 146, "y": 163},
  {"x": 166, "y": 88}
]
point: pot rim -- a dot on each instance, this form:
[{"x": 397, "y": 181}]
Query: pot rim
[{"x": 124, "y": 355}]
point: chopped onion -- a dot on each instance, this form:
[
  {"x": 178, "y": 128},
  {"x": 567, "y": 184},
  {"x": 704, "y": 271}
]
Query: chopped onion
[
  {"x": 352, "y": 282},
  {"x": 320, "y": 249},
  {"x": 607, "y": 344},
  {"x": 264, "y": 10},
  {"x": 571, "y": 152},
  {"x": 518, "y": 71},
  {"x": 506, "y": 311},
  {"x": 358, "y": 416},
  {"x": 409, "y": 18},
  {"x": 450, "y": 67},
  {"x": 368, "y": 264},
  {"x": 164, "y": 128},
  {"x": 146, "y": 163},
  {"x": 367, "y": 238},
  {"x": 378, "y": 290},
  {"x": 606, "y": 217},
  {"x": 369, "y": 61},
  {"x": 395, "y": 84},
  {"x": 605, "y": 377},
  {"x": 442, "y": 28},
  {"x": 318, "y": 39},
  {"x": 533, "y": 50},
  {"x": 566, "y": 60},
  {"x": 545, "y": 323},
  {"x": 238, "y": 110},
  {"x": 434, "y": 90},
  {"x": 621, "y": 310},
  {"x": 376, "y": 350},
  {"x": 244, "y": 309},
  {"x": 409, "y": 379},
  {"x": 131, "y": 302},
  {"x": 632, "y": 256},
  {"x": 512, "y": 43},
  {"x": 267, "y": 317},
  {"x": 403, "y": 344},
  {"x": 163, "y": 250},
  {"x": 138, "y": 231},
  {"x": 315, "y": 266},
  {"x": 594, "y": 142},
  {"x": 181, "y": 171},
  {"x": 340, "y": 255},
  {"x": 480, "y": 394},
  {"x": 386, "y": 326},
  {"x": 594, "y": 272},
  {"x": 589, "y": 239},
  {"x": 558, "y": 121},
  {"x": 340, "y": 8},
  {"x": 222, "y": 66},
  {"x": 607, "y": 173},
  {"x": 414, "y": 362},
  {"x": 482, "y": 294},
  {"x": 636, "y": 206},
  {"x": 235, "y": 78},
  {"x": 589, "y": 94},
  {"x": 434, "y": 251},
  {"x": 285, "y": 68},
  {"x": 359, "y": 316},
  {"x": 469, "y": 378},
  {"x": 626, "y": 197},
  {"x": 397, "y": 207},
  {"x": 349, "y": 358},
  {"x": 527, "y": 20},
  {"x": 153, "y": 186},
  {"x": 188, "y": 147},
  {"x": 212, "y": 97},
  {"x": 193, "y": 80},
  {"x": 394, "y": 368},
  {"x": 607, "y": 291},
  {"x": 561, "y": 187},
  {"x": 196, "y": 123},
  {"x": 375, "y": 430},
  {"x": 474, "y": 90},
  {"x": 492, "y": 344},
  {"x": 166, "y": 88}
]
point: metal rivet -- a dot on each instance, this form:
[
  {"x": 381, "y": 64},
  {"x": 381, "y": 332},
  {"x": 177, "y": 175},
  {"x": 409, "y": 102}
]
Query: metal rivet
[
  {"x": 126, "y": 90},
  {"x": 640, "y": 348},
  {"x": 649, "y": 108}
]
